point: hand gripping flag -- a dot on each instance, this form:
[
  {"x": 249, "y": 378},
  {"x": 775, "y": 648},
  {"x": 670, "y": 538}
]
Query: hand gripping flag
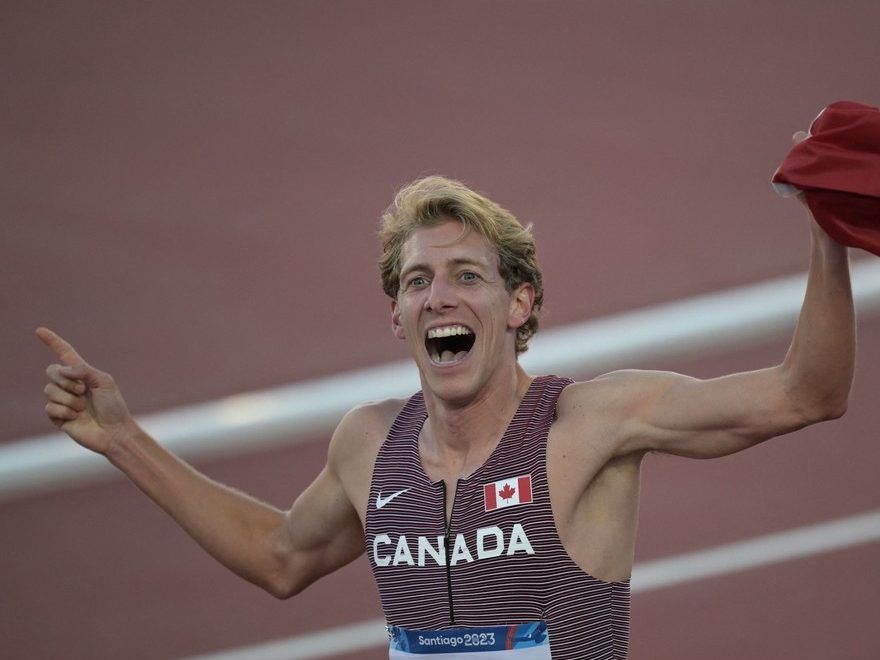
[
  {"x": 508, "y": 492},
  {"x": 837, "y": 168}
]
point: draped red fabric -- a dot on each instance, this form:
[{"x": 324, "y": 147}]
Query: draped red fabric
[{"x": 838, "y": 169}]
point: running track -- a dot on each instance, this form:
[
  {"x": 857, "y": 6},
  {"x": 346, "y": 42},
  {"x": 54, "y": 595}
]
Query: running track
[{"x": 190, "y": 192}]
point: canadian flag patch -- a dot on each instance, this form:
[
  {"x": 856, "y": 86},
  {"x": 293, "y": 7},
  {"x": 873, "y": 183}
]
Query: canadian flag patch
[{"x": 508, "y": 492}]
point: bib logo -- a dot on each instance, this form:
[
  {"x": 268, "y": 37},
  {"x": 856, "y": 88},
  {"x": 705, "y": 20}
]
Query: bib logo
[{"x": 490, "y": 542}]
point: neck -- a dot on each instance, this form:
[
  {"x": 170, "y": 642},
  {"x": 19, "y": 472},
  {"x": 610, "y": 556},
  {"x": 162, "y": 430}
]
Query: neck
[{"x": 458, "y": 438}]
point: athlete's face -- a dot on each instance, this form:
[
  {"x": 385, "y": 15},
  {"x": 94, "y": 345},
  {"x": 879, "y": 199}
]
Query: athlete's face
[{"x": 455, "y": 312}]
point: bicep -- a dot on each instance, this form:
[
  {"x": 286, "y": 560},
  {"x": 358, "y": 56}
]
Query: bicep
[
  {"x": 685, "y": 416},
  {"x": 322, "y": 530}
]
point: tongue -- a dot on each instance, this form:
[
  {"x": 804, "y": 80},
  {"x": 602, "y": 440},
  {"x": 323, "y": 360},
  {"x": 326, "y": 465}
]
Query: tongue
[{"x": 449, "y": 356}]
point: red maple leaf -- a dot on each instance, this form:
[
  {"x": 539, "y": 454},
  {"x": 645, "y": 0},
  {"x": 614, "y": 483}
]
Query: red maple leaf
[{"x": 507, "y": 492}]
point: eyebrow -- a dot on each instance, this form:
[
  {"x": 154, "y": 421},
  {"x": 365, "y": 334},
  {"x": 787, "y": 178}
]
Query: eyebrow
[{"x": 457, "y": 261}]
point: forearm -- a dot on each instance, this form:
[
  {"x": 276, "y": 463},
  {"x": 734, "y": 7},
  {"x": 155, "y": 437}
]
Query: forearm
[
  {"x": 237, "y": 530},
  {"x": 818, "y": 368}
]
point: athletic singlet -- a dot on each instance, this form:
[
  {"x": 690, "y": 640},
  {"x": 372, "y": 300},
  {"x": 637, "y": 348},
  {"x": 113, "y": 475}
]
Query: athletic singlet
[{"x": 506, "y": 564}]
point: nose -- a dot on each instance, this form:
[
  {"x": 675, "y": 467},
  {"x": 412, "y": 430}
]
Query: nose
[{"x": 441, "y": 297}]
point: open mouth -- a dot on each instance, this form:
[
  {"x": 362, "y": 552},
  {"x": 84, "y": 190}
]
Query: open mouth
[{"x": 450, "y": 343}]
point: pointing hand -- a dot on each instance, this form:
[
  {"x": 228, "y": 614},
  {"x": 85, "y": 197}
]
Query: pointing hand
[{"x": 82, "y": 401}]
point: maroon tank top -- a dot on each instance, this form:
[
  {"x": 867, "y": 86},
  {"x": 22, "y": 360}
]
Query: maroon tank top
[{"x": 500, "y": 561}]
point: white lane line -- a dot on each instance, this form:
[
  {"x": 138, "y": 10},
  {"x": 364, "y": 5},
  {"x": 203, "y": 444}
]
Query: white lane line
[
  {"x": 759, "y": 551},
  {"x": 656, "y": 574},
  {"x": 246, "y": 422}
]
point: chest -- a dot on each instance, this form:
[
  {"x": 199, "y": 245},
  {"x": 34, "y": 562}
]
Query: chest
[
  {"x": 440, "y": 544},
  {"x": 417, "y": 522}
]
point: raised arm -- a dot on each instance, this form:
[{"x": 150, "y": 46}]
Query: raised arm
[
  {"x": 676, "y": 414},
  {"x": 282, "y": 552}
]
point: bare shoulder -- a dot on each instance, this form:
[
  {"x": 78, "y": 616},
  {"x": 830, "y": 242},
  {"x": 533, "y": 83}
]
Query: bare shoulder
[
  {"x": 362, "y": 430},
  {"x": 354, "y": 447},
  {"x": 614, "y": 396},
  {"x": 607, "y": 411},
  {"x": 600, "y": 396}
]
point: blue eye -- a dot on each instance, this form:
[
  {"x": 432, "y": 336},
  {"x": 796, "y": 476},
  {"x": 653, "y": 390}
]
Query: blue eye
[
  {"x": 418, "y": 280},
  {"x": 468, "y": 276}
]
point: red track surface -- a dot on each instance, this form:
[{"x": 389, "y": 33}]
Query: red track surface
[{"x": 190, "y": 194}]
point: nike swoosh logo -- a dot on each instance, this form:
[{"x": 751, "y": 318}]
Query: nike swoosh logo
[{"x": 380, "y": 502}]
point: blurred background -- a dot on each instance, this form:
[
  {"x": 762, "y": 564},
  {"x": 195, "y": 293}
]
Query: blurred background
[{"x": 190, "y": 194}]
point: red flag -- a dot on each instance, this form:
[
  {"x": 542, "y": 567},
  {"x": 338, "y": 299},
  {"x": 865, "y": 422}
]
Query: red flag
[{"x": 837, "y": 168}]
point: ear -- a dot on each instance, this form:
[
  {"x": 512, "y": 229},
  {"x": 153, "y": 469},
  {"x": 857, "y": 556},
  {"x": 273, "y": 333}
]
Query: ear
[
  {"x": 396, "y": 326},
  {"x": 521, "y": 301}
]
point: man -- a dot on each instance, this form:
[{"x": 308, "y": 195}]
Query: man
[{"x": 498, "y": 510}]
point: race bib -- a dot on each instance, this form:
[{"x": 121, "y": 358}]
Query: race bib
[{"x": 522, "y": 641}]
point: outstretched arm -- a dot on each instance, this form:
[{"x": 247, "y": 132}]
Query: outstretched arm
[
  {"x": 672, "y": 413},
  {"x": 709, "y": 418},
  {"x": 282, "y": 552}
]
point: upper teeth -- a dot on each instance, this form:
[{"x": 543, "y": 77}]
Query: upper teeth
[{"x": 448, "y": 331}]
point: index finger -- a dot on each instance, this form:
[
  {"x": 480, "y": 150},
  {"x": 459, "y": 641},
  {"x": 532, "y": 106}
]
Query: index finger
[{"x": 66, "y": 353}]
